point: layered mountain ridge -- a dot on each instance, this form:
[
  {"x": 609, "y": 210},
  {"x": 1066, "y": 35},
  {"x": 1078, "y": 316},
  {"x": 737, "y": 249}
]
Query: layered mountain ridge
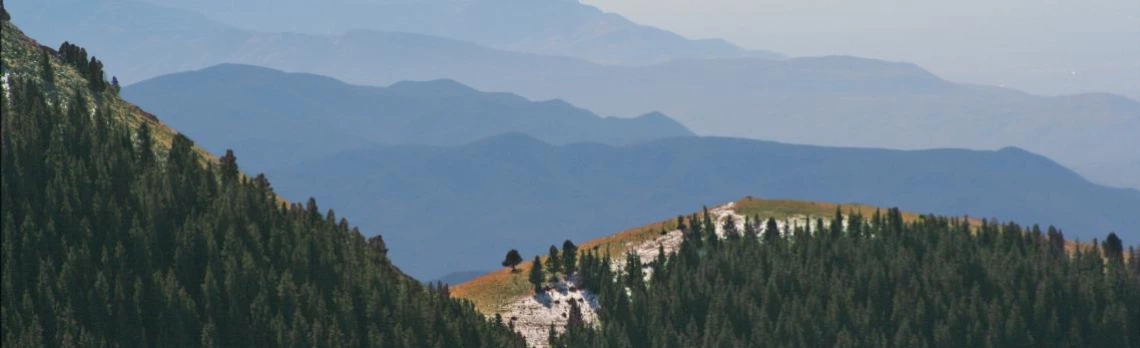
[{"x": 836, "y": 101}]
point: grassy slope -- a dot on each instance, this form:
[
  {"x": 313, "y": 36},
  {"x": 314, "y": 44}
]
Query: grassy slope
[{"x": 21, "y": 58}]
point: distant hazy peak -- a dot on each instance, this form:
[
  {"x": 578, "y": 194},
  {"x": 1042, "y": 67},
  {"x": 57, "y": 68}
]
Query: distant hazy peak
[
  {"x": 438, "y": 87},
  {"x": 510, "y": 142}
]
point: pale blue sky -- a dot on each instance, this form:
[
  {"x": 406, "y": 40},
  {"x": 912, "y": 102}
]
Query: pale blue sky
[{"x": 1040, "y": 46}]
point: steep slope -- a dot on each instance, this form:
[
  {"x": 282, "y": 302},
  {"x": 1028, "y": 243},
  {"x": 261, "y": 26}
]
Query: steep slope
[
  {"x": 117, "y": 231},
  {"x": 507, "y": 188},
  {"x": 557, "y": 27},
  {"x": 288, "y": 118},
  {"x": 835, "y": 101}
]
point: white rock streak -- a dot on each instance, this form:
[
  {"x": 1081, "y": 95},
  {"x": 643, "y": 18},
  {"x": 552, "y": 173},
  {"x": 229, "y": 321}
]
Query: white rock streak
[{"x": 532, "y": 315}]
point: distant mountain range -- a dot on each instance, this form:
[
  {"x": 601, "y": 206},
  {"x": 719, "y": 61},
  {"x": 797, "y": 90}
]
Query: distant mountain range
[
  {"x": 449, "y": 208},
  {"x": 556, "y": 27},
  {"x": 835, "y": 101},
  {"x": 286, "y": 118}
]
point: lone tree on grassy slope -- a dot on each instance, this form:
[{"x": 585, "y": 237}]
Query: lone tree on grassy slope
[
  {"x": 536, "y": 275},
  {"x": 512, "y": 260}
]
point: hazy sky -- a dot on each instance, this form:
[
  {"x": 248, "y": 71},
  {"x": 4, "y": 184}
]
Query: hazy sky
[{"x": 1041, "y": 46}]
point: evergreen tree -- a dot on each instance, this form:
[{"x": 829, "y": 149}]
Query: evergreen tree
[
  {"x": 554, "y": 260},
  {"x": 931, "y": 282},
  {"x": 512, "y": 260},
  {"x": 771, "y": 231},
  {"x": 113, "y": 239},
  {"x": 47, "y": 72},
  {"x": 749, "y": 228},
  {"x": 729, "y": 227},
  {"x": 1114, "y": 248},
  {"x": 229, "y": 166},
  {"x": 569, "y": 257},
  {"x": 537, "y": 277}
]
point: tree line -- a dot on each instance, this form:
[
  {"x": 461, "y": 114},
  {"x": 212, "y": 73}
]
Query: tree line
[
  {"x": 112, "y": 238},
  {"x": 880, "y": 282}
]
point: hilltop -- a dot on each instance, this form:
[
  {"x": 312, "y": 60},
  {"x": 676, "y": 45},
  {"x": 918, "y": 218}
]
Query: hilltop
[
  {"x": 507, "y": 295},
  {"x": 503, "y": 292}
]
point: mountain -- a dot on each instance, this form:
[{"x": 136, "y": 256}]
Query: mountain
[
  {"x": 287, "y": 118},
  {"x": 836, "y": 101},
  {"x": 556, "y": 27},
  {"x": 759, "y": 270},
  {"x": 118, "y": 231},
  {"x": 513, "y": 191}
]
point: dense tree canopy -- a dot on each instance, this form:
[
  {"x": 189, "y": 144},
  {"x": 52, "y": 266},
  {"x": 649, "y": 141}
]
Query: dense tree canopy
[
  {"x": 113, "y": 239},
  {"x": 935, "y": 282}
]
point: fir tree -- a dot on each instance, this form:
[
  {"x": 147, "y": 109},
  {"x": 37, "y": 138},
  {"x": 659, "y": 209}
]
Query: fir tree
[
  {"x": 537, "y": 277},
  {"x": 569, "y": 257},
  {"x": 771, "y": 231},
  {"x": 554, "y": 260}
]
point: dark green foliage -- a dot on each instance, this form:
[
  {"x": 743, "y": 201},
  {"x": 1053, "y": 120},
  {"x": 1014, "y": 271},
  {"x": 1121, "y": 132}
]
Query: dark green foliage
[
  {"x": 569, "y": 257},
  {"x": 91, "y": 69},
  {"x": 47, "y": 72},
  {"x": 1114, "y": 248},
  {"x": 730, "y": 229},
  {"x": 512, "y": 260},
  {"x": 537, "y": 277},
  {"x": 4, "y": 16},
  {"x": 110, "y": 243},
  {"x": 554, "y": 260},
  {"x": 772, "y": 231},
  {"x": 883, "y": 283}
]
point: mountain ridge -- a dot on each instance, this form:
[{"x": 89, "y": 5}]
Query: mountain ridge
[
  {"x": 504, "y": 187},
  {"x": 321, "y": 115},
  {"x": 796, "y": 101},
  {"x": 567, "y": 28}
]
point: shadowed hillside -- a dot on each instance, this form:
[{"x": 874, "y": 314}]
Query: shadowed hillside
[{"x": 287, "y": 118}]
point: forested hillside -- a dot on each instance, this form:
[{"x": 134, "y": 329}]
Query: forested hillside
[
  {"x": 881, "y": 281},
  {"x": 118, "y": 232}
]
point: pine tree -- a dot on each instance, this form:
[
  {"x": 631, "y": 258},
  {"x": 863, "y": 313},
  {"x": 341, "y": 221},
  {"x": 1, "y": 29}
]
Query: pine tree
[
  {"x": 569, "y": 257},
  {"x": 537, "y": 277},
  {"x": 512, "y": 260},
  {"x": 749, "y": 228},
  {"x": 554, "y": 260},
  {"x": 47, "y": 72},
  {"x": 771, "y": 231},
  {"x": 1114, "y": 248},
  {"x": 229, "y": 166},
  {"x": 575, "y": 321},
  {"x": 729, "y": 227}
]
